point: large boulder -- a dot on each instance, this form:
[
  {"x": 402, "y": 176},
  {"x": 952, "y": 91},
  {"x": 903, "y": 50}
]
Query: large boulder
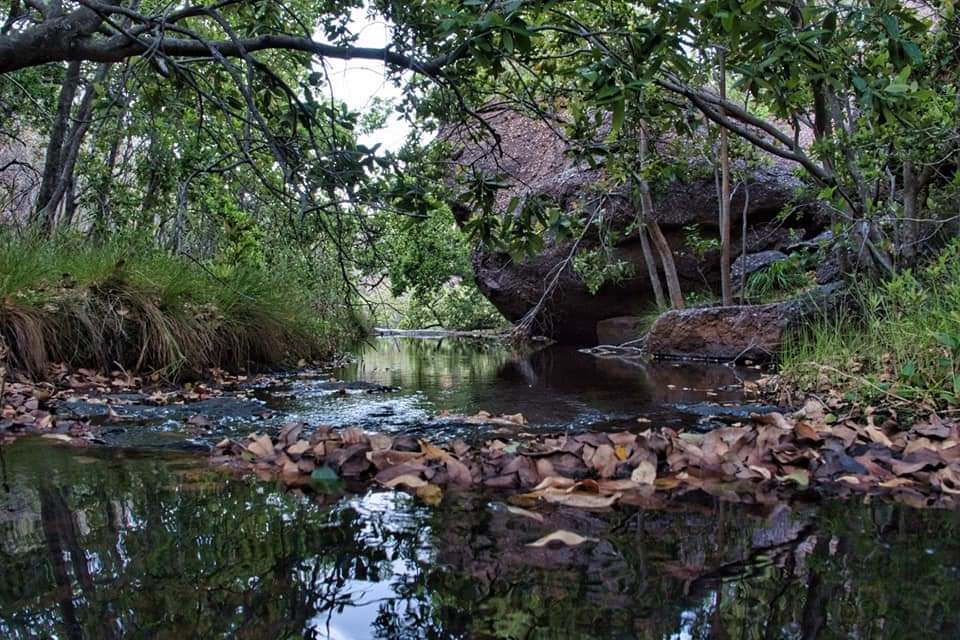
[
  {"x": 533, "y": 159},
  {"x": 750, "y": 332}
]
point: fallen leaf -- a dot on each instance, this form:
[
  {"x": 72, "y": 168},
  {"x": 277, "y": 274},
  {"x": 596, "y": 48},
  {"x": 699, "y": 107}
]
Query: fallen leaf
[
  {"x": 518, "y": 511},
  {"x": 431, "y": 494},
  {"x": 801, "y": 478},
  {"x": 262, "y": 447},
  {"x": 407, "y": 480},
  {"x": 645, "y": 473},
  {"x": 561, "y": 537}
]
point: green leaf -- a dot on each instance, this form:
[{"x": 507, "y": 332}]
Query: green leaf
[
  {"x": 507, "y": 41},
  {"x": 913, "y": 52},
  {"x": 890, "y": 24},
  {"x": 324, "y": 474},
  {"x": 829, "y": 27},
  {"x": 947, "y": 340},
  {"x": 619, "y": 112}
]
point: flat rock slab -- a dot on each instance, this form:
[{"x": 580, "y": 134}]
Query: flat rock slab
[
  {"x": 751, "y": 263},
  {"x": 749, "y": 332}
]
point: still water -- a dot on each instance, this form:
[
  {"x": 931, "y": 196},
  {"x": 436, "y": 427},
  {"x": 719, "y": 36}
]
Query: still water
[{"x": 148, "y": 543}]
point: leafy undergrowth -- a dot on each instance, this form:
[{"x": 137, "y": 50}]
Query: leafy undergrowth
[
  {"x": 902, "y": 348},
  {"x": 845, "y": 454},
  {"x": 147, "y": 310}
]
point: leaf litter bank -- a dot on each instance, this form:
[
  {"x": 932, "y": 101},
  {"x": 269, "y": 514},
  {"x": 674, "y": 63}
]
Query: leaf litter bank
[
  {"x": 847, "y": 452},
  {"x": 853, "y": 454}
]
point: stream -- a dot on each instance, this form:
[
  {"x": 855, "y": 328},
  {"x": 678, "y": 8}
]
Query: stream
[{"x": 143, "y": 539}]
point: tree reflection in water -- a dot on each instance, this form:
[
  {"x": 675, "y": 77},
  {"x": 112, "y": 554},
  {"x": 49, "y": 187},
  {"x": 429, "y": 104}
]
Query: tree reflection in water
[{"x": 101, "y": 547}]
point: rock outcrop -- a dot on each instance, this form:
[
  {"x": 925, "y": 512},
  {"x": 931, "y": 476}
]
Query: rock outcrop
[
  {"x": 749, "y": 332},
  {"x": 532, "y": 158}
]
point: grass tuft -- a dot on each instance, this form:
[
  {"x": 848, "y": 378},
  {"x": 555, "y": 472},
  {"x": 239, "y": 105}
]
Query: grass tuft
[
  {"x": 903, "y": 344},
  {"x": 144, "y": 310}
]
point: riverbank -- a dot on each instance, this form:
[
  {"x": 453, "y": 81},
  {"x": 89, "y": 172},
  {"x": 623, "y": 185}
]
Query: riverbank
[
  {"x": 898, "y": 347},
  {"x": 141, "y": 310}
]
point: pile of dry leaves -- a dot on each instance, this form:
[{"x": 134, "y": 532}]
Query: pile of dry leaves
[
  {"x": 29, "y": 407},
  {"x": 596, "y": 470}
]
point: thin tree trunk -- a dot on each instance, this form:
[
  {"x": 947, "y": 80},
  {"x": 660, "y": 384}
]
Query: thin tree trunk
[
  {"x": 69, "y": 154},
  {"x": 652, "y": 270},
  {"x": 648, "y": 256},
  {"x": 58, "y": 133},
  {"x": 669, "y": 266},
  {"x": 909, "y": 231},
  {"x": 656, "y": 235},
  {"x": 726, "y": 286},
  {"x": 70, "y": 203},
  {"x": 743, "y": 243}
]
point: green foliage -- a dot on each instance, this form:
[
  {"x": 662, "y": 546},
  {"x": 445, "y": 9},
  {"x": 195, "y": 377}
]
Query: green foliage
[
  {"x": 596, "y": 269},
  {"x": 905, "y": 344},
  {"x": 782, "y": 278},
  {"x": 699, "y": 245},
  {"x": 127, "y": 303},
  {"x": 458, "y": 306},
  {"x": 427, "y": 261}
]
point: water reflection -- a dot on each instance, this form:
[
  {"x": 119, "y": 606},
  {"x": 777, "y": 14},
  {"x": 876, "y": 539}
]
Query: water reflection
[
  {"x": 555, "y": 386},
  {"x": 97, "y": 546}
]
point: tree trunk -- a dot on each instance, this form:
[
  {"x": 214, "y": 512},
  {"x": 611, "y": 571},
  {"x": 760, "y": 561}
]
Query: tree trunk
[
  {"x": 648, "y": 256},
  {"x": 652, "y": 270},
  {"x": 52, "y": 164},
  {"x": 909, "y": 231},
  {"x": 67, "y": 160},
  {"x": 726, "y": 285},
  {"x": 656, "y": 235},
  {"x": 669, "y": 266},
  {"x": 743, "y": 243}
]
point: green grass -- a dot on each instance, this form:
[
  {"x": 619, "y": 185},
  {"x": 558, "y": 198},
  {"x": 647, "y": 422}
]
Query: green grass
[
  {"x": 123, "y": 304},
  {"x": 903, "y": 344}
]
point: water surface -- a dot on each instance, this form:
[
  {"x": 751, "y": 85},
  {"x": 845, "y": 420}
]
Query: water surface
[
  {"x": 144, "y": 540},
  {"x": 98, "y": 545}
]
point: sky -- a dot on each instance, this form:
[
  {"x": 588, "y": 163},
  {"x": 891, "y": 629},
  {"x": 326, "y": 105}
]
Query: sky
[{"x": 358, "y": 82}]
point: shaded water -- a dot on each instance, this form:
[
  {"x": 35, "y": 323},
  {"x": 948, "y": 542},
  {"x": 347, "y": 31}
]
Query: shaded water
[
  {"x": 142, "y": 542},
  {"x": 405, "y": 384}
]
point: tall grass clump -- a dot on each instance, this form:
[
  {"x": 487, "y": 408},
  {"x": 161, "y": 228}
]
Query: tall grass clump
[
  {"x": 902, "y": 344},
  {"x": 133, "y": 306}
]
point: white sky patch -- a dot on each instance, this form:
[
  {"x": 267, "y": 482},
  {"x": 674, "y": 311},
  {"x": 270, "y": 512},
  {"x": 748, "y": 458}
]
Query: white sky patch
[{"x": 358, "y": 82}]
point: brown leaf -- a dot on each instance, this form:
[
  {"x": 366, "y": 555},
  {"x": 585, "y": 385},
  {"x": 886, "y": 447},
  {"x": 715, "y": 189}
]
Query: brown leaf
[
  {"x": 582, "y": 500},
  {"x": 431, "y": 494},
  {"x": 262, "y": 447},
  {"x": 459, "y": 473},
  {"x": 605, "y": 461},
  {"x": 561, "y": 536},
  {"x": 298, "y": 448},
  {"x": 920, "y": 444},
  {"x": 896, "y": 482},
  {"x": 645, "y": 473},
  {"x": 384, "y": 459},
  {"x": 805, "y": 431},
  {"x": 902, "y": 468},
  {"x": 518, "y": 511},
  {"x": 622, "y": 439},
  {"x": 353, "y": 436},
  {"x": 934, "y": 428},
  {"x": 380, "y": 442},
  {"x": 405, "y": 480},
  {"x": 390, "y": 473},
  {"x": 879, "y": 437}
]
